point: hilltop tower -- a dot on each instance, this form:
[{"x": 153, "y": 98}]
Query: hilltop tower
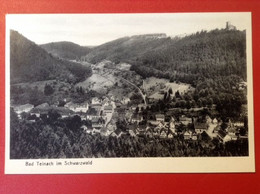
[{"x": 229, "y": 26}]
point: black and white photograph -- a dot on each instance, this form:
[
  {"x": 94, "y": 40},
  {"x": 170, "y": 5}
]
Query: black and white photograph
[{"x": 94, "y": 93}]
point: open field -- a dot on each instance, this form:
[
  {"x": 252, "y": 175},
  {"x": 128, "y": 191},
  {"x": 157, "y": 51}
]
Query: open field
[
  {"x": 156, "y": 87},
  {"x": 98, "y": 82}
]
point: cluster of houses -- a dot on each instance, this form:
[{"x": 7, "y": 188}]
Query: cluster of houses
[
  {"x": 96, "y": 111},
  {"x": 231, "y": 132},
  {"x": 163, "y": 128},
  {"x": 102, "y": 111}
]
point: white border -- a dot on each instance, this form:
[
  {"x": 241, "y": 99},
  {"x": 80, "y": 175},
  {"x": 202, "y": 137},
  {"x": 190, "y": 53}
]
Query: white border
[{"x": 138, "y": 165}]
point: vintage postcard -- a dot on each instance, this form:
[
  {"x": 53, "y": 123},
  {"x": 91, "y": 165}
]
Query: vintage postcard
[{"x": 129, "y": 93}]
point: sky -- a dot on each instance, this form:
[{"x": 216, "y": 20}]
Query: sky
[{"x": 96, "y": 29}]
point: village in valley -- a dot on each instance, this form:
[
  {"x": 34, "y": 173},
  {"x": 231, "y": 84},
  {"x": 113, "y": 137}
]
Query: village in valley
[
  {"x": 147, "y": 95},
  {"x": 124, "y": 109}
]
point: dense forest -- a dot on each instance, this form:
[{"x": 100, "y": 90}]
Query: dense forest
[
  {"x": 66, "y": 50},
  {"x": 53, "y": 137},
  {"x": 201, "y": 55},
  {"x": 29, "y": 63}
]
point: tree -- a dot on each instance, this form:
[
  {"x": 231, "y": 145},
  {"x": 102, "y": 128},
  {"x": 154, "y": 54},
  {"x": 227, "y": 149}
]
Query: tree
[
  {"x": 242, "y": 131},
  {"x": 170, "y": 91},
  {"x": 177, "y": 94},
  {"x": 48, "y": 90},
  {"x": 53, "y": 115}
]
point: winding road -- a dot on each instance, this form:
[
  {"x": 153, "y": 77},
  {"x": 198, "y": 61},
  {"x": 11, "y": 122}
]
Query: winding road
[{"x": 142, "y": 94}]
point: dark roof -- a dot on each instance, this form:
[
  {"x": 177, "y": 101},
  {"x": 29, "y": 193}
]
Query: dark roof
[
  {"x": 159, "y": 116},
  {"x": 132, "y": 127},
  {"x": 200, "y": 125},
  {"x": 222, "y": 133},
  {"x": 96, "y": 106},
  {"x": 117, "y": 132},
  {"x": 92, "y": 111},
  {"x": 109, "y": 107},
  {"x": 97, "y": 120},
  {"x": 137, "y": 117}
]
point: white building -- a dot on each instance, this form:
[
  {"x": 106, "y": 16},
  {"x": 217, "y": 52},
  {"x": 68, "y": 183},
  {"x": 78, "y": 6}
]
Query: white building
[
  {"x": 83, "y": 107},
  {"x": 23, "y": 108}
]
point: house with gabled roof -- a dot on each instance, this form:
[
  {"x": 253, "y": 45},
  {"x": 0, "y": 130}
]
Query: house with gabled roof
[
  {"x": 224, "y": 137},
  {"x": 125, "y": 100},
  {"x": 215, "y": 121},
  {"x": 132, "y": 133},
  {"x": 170, "y": 134},
  {"x": 187, "y": 135},
  {"x": 194, "y": 136},
  {"x": 216, "y": 129},
  {"x": 96, "y": 100},
  {"x": 149, "y": 133},
  {"x": 200, "y": 127},
  {"x": 95, "y": 131},
  {"x": 160, "y": 117},
  {"x": 97, "y": 122},
  {"x": 208, "y": 119},
  {"x": 185, "y": 120},
  {"x": 108, "y": 109},
  {"x": 221, "y": 135},
  {"x": 82, "y": 107},
  {"x": 163, "y": 134},
  {"x": 84, "y": 127},
  {"x": 137, "y": 118},
  {"x": 92, "y": 113},
  {"x": 231, "y": 130},
  {"x": 36, "y": 112},
  {"x": 153, "y": 122}
]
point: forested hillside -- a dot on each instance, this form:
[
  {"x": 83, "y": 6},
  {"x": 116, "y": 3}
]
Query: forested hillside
[
  {"x": 126, "y": 48},
  {"x": 66, "y": 50},
  {"x": 204, "y": 54},
  {"x": 214, "y": 63},
  {"x": 188, "y": 59},
  {"x": 29, "y": 62}
]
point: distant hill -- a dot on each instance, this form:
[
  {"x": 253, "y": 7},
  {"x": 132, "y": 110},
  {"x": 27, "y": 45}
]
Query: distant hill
[
  {"x": 66, "y": 50},
  {"x": 126, "y": 48},
  {"x": 187, "y": 58},
  {"x": 29, "y": 62}
]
